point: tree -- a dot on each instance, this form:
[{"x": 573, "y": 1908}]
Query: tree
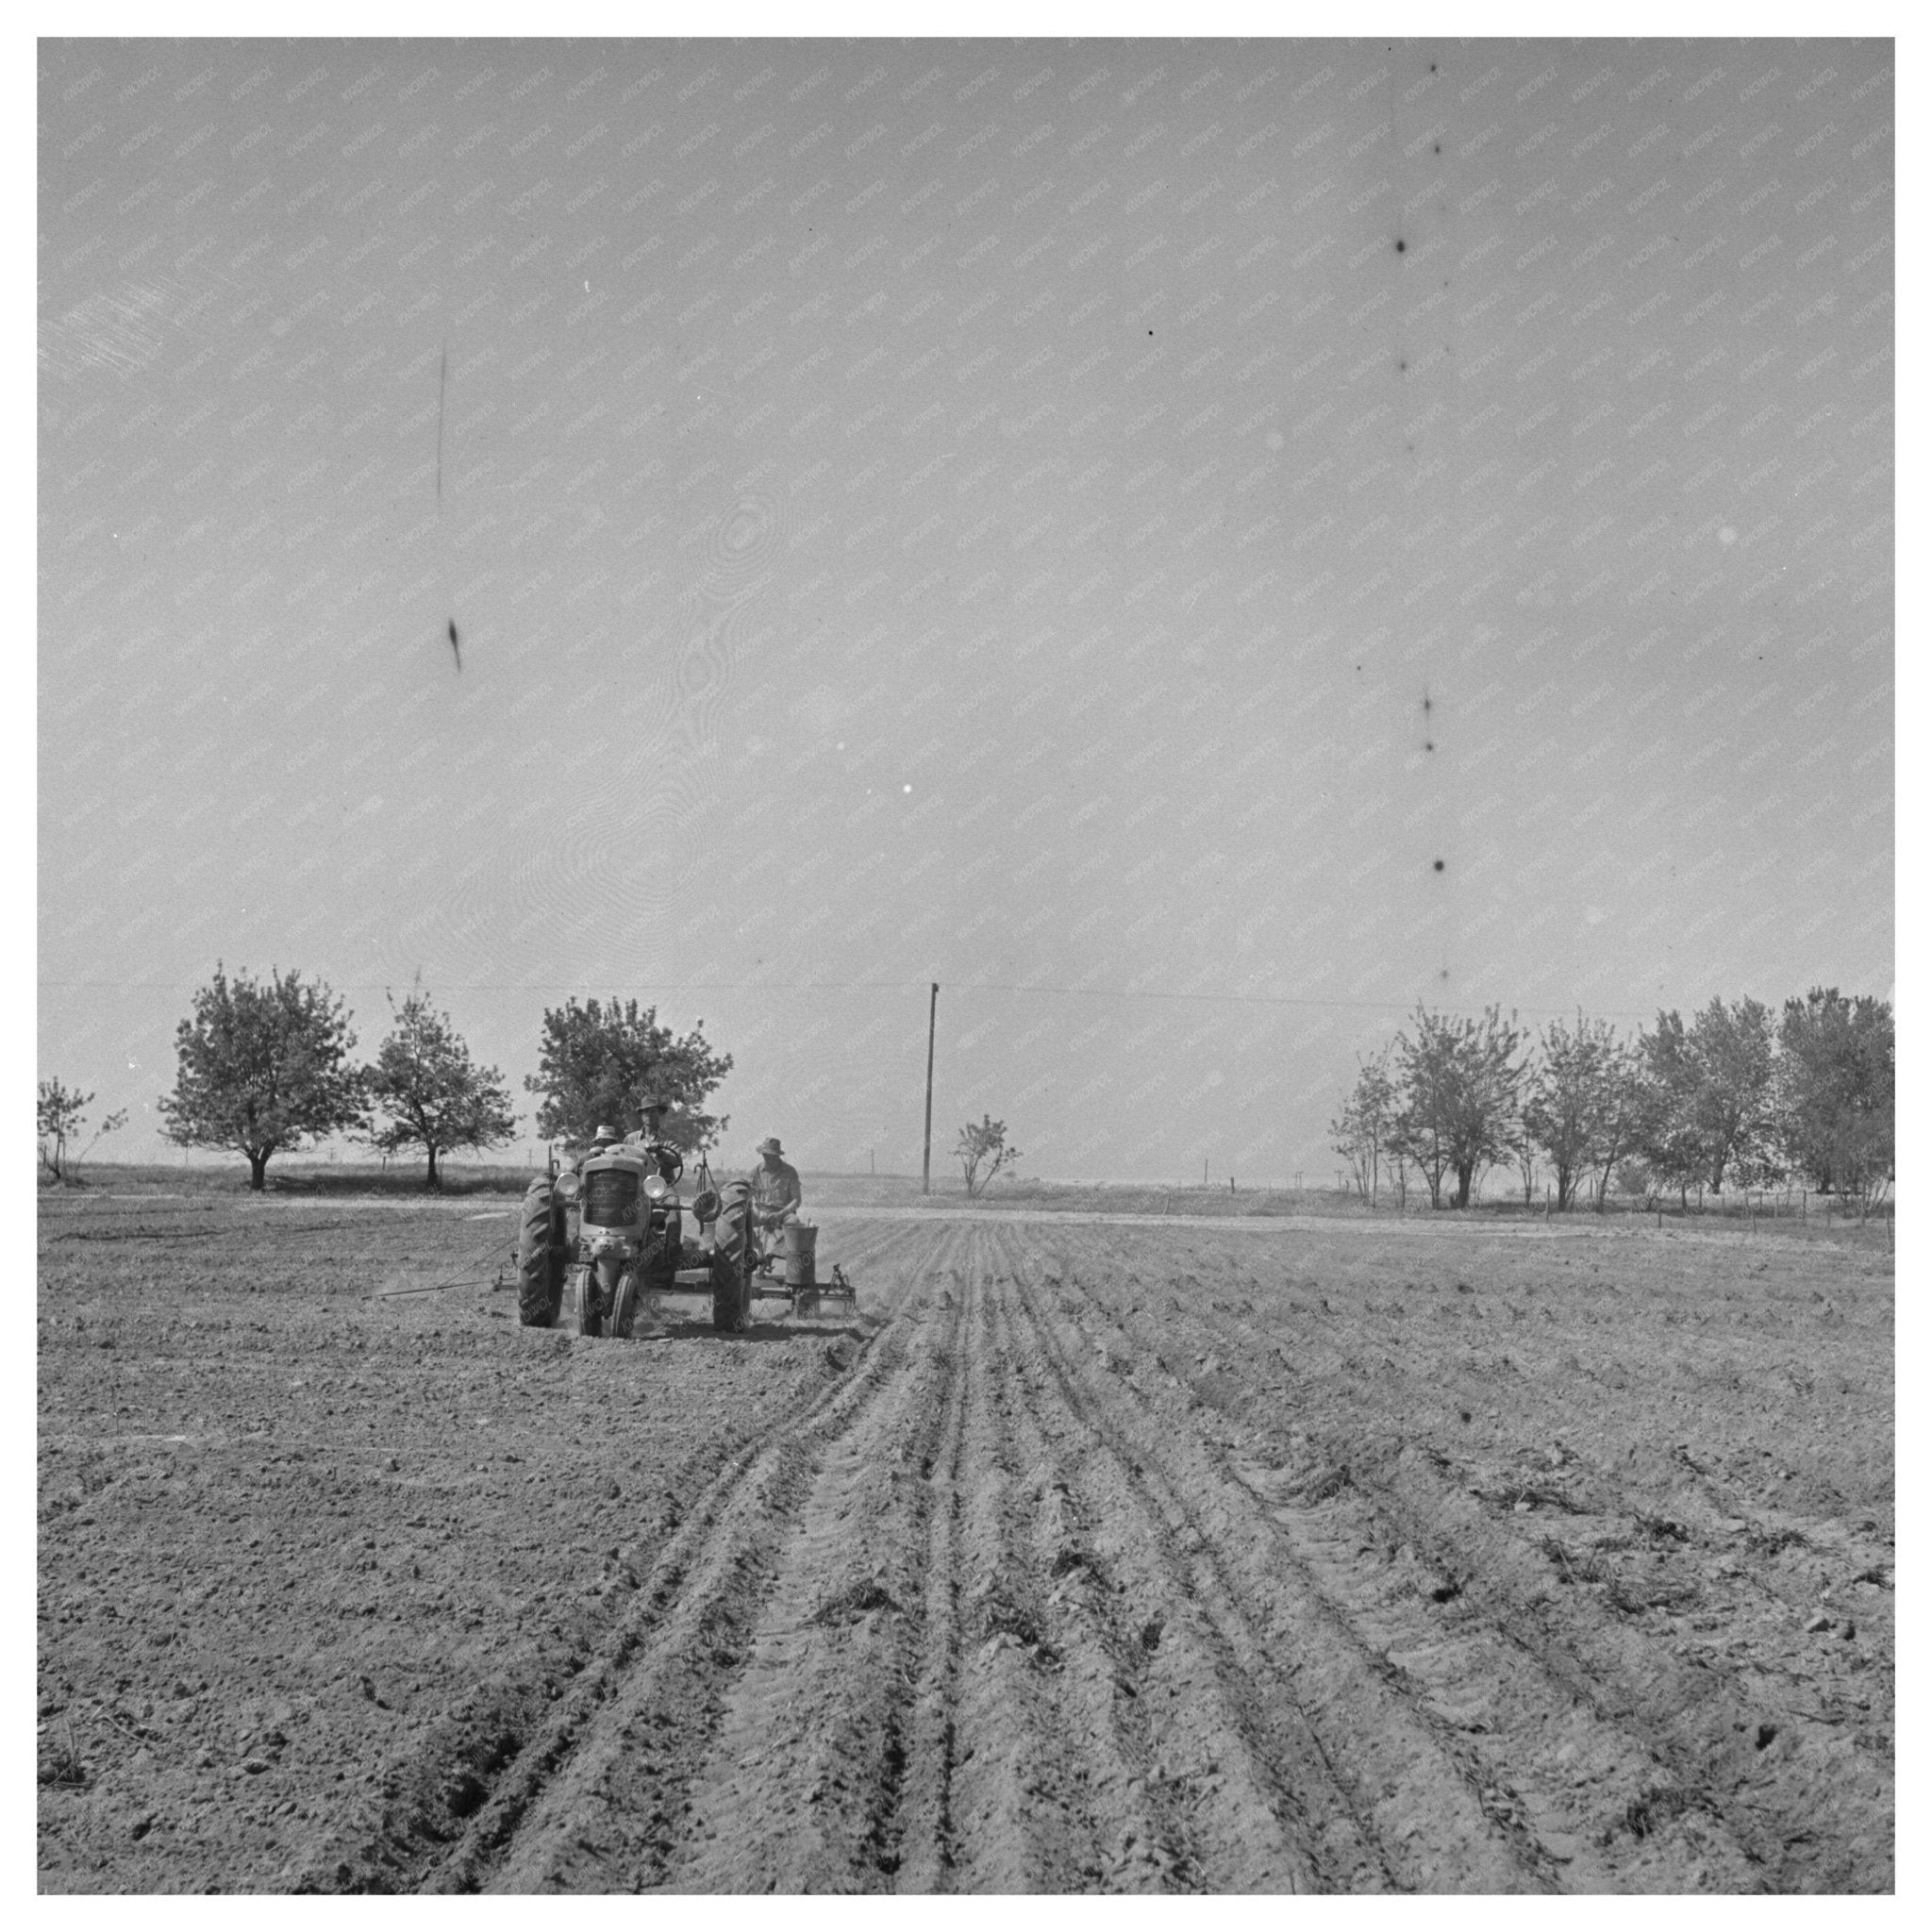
[
  {"x": 58, "y": 1116},
  {"x": 984, "y": 1145},
  {"x": 1716, "y": 1084},
  {"x": 263, "y": 1067},
  {"x": 1459, "y": 1080},
  {"x": 1578, "y": 1108},
  {"x": 1837, "y": 1072},
  {"x": 1360, "y": 1132},
  {"x": 1625, "y": 1107},
  {"x": 601, "y": 1064},
  {"x": 434, "y": 1094},
  {"x": 1670, "y": 1142}
]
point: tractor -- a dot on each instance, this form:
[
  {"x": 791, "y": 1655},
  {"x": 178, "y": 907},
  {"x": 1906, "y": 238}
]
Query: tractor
[{"x": 608, "y": 1233}]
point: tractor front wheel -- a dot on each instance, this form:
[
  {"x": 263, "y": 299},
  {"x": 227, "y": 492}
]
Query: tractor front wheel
[
  {"x": 624, "y": 1309},
  {"x": 540, "y": 1257}
]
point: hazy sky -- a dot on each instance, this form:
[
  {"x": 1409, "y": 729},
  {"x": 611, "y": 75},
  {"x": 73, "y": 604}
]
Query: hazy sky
[{"x": 1194, "y": 547}]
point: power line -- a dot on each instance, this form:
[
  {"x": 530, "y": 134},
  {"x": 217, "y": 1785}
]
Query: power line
[{"x": 549, "y": 988}]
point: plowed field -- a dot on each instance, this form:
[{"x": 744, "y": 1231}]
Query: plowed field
[{"x": 1246, "y": 1558}]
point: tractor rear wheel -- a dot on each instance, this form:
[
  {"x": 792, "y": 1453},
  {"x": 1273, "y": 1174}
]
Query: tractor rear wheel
[
  {"x": 540, "y": 1257},
  {"x": 730, "y": 1294}
]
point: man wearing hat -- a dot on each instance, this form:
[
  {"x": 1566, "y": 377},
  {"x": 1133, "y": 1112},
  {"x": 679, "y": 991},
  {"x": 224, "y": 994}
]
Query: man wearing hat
[{"x": 774, "y": 1190}]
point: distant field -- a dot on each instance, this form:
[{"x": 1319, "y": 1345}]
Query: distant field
[{"x": 1784, "y": 1216}]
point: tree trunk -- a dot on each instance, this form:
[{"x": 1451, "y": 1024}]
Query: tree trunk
[
  {"x": 258, "y": 1171},
  {"x": 1464, "y": 1169},
  {"x": 435, "y": 1179}
]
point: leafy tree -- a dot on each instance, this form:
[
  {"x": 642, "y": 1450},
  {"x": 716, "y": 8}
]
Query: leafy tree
[
  {"x": 602, "y": 1064},
  {"x": 1838, "y": 1075},
  {"x": 435, "y": 1096},
  {"x": 1670, "y": 1142},
  {"x": 984, "y": 1145},
  {"x": 1460, "y": 1079},
  {"x": 1716, "y": 1111},
  {"x": 1579, "y": 1105},
  {"x": 1626, "y": 1106},
  {"x": 58, "y": 1116},
  {"x": 1361, "y": 1132},
  {"x": 263, "y": 1066}
]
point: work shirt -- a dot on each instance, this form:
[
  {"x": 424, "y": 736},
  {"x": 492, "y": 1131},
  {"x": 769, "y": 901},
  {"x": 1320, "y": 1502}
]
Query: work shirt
[{"x": 773, "y": 1189}]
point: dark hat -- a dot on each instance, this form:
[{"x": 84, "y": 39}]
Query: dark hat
[{"x": 771, "y": 1145}]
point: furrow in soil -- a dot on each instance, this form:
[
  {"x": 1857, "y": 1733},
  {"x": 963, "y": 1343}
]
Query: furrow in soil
[
  {"x": 596, "y": 1801},
  {"x": 1593, "y": 1735},
  {"x": 1407, "y": 1781}
]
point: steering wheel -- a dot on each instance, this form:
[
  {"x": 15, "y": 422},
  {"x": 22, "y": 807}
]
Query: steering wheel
[{"x": 670, "y": 1164}]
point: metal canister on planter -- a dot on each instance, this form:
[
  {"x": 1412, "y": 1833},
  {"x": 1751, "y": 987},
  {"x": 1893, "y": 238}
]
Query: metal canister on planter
[{"x": 801, "y": 1244}]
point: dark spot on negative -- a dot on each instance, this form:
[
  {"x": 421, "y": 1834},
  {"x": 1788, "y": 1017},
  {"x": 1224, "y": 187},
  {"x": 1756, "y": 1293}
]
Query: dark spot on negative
[
  {"x": 1400, "y": 246},
  {"x": 1439, "y": 865}
]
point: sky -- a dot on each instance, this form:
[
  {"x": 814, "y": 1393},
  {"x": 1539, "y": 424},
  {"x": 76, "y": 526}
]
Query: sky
[{"x": 1196, "y": 547}]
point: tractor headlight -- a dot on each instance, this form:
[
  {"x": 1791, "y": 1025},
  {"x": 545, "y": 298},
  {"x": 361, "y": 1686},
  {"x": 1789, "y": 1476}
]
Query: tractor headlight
[{"x": 656, "y": 1187}]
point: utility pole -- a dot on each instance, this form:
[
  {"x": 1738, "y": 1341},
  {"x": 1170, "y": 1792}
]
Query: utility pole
[{"x": 932, "y": 1022}]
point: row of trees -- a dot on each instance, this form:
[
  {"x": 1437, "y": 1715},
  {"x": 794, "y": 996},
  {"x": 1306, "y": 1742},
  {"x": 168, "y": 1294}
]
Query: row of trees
[
  {"x": 265, "y": 1066},
  {"x": 1738, "y": 1096}
]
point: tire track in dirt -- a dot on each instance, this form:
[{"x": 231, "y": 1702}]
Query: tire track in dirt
[
  {"x": 1406, "y": 1776},
  {"x": 608, "y": 1801},
  {"x": 828, "y": 1755},
  {"x": 460, "y": 1794},
  {"x": 1555, "y": 1741}
]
